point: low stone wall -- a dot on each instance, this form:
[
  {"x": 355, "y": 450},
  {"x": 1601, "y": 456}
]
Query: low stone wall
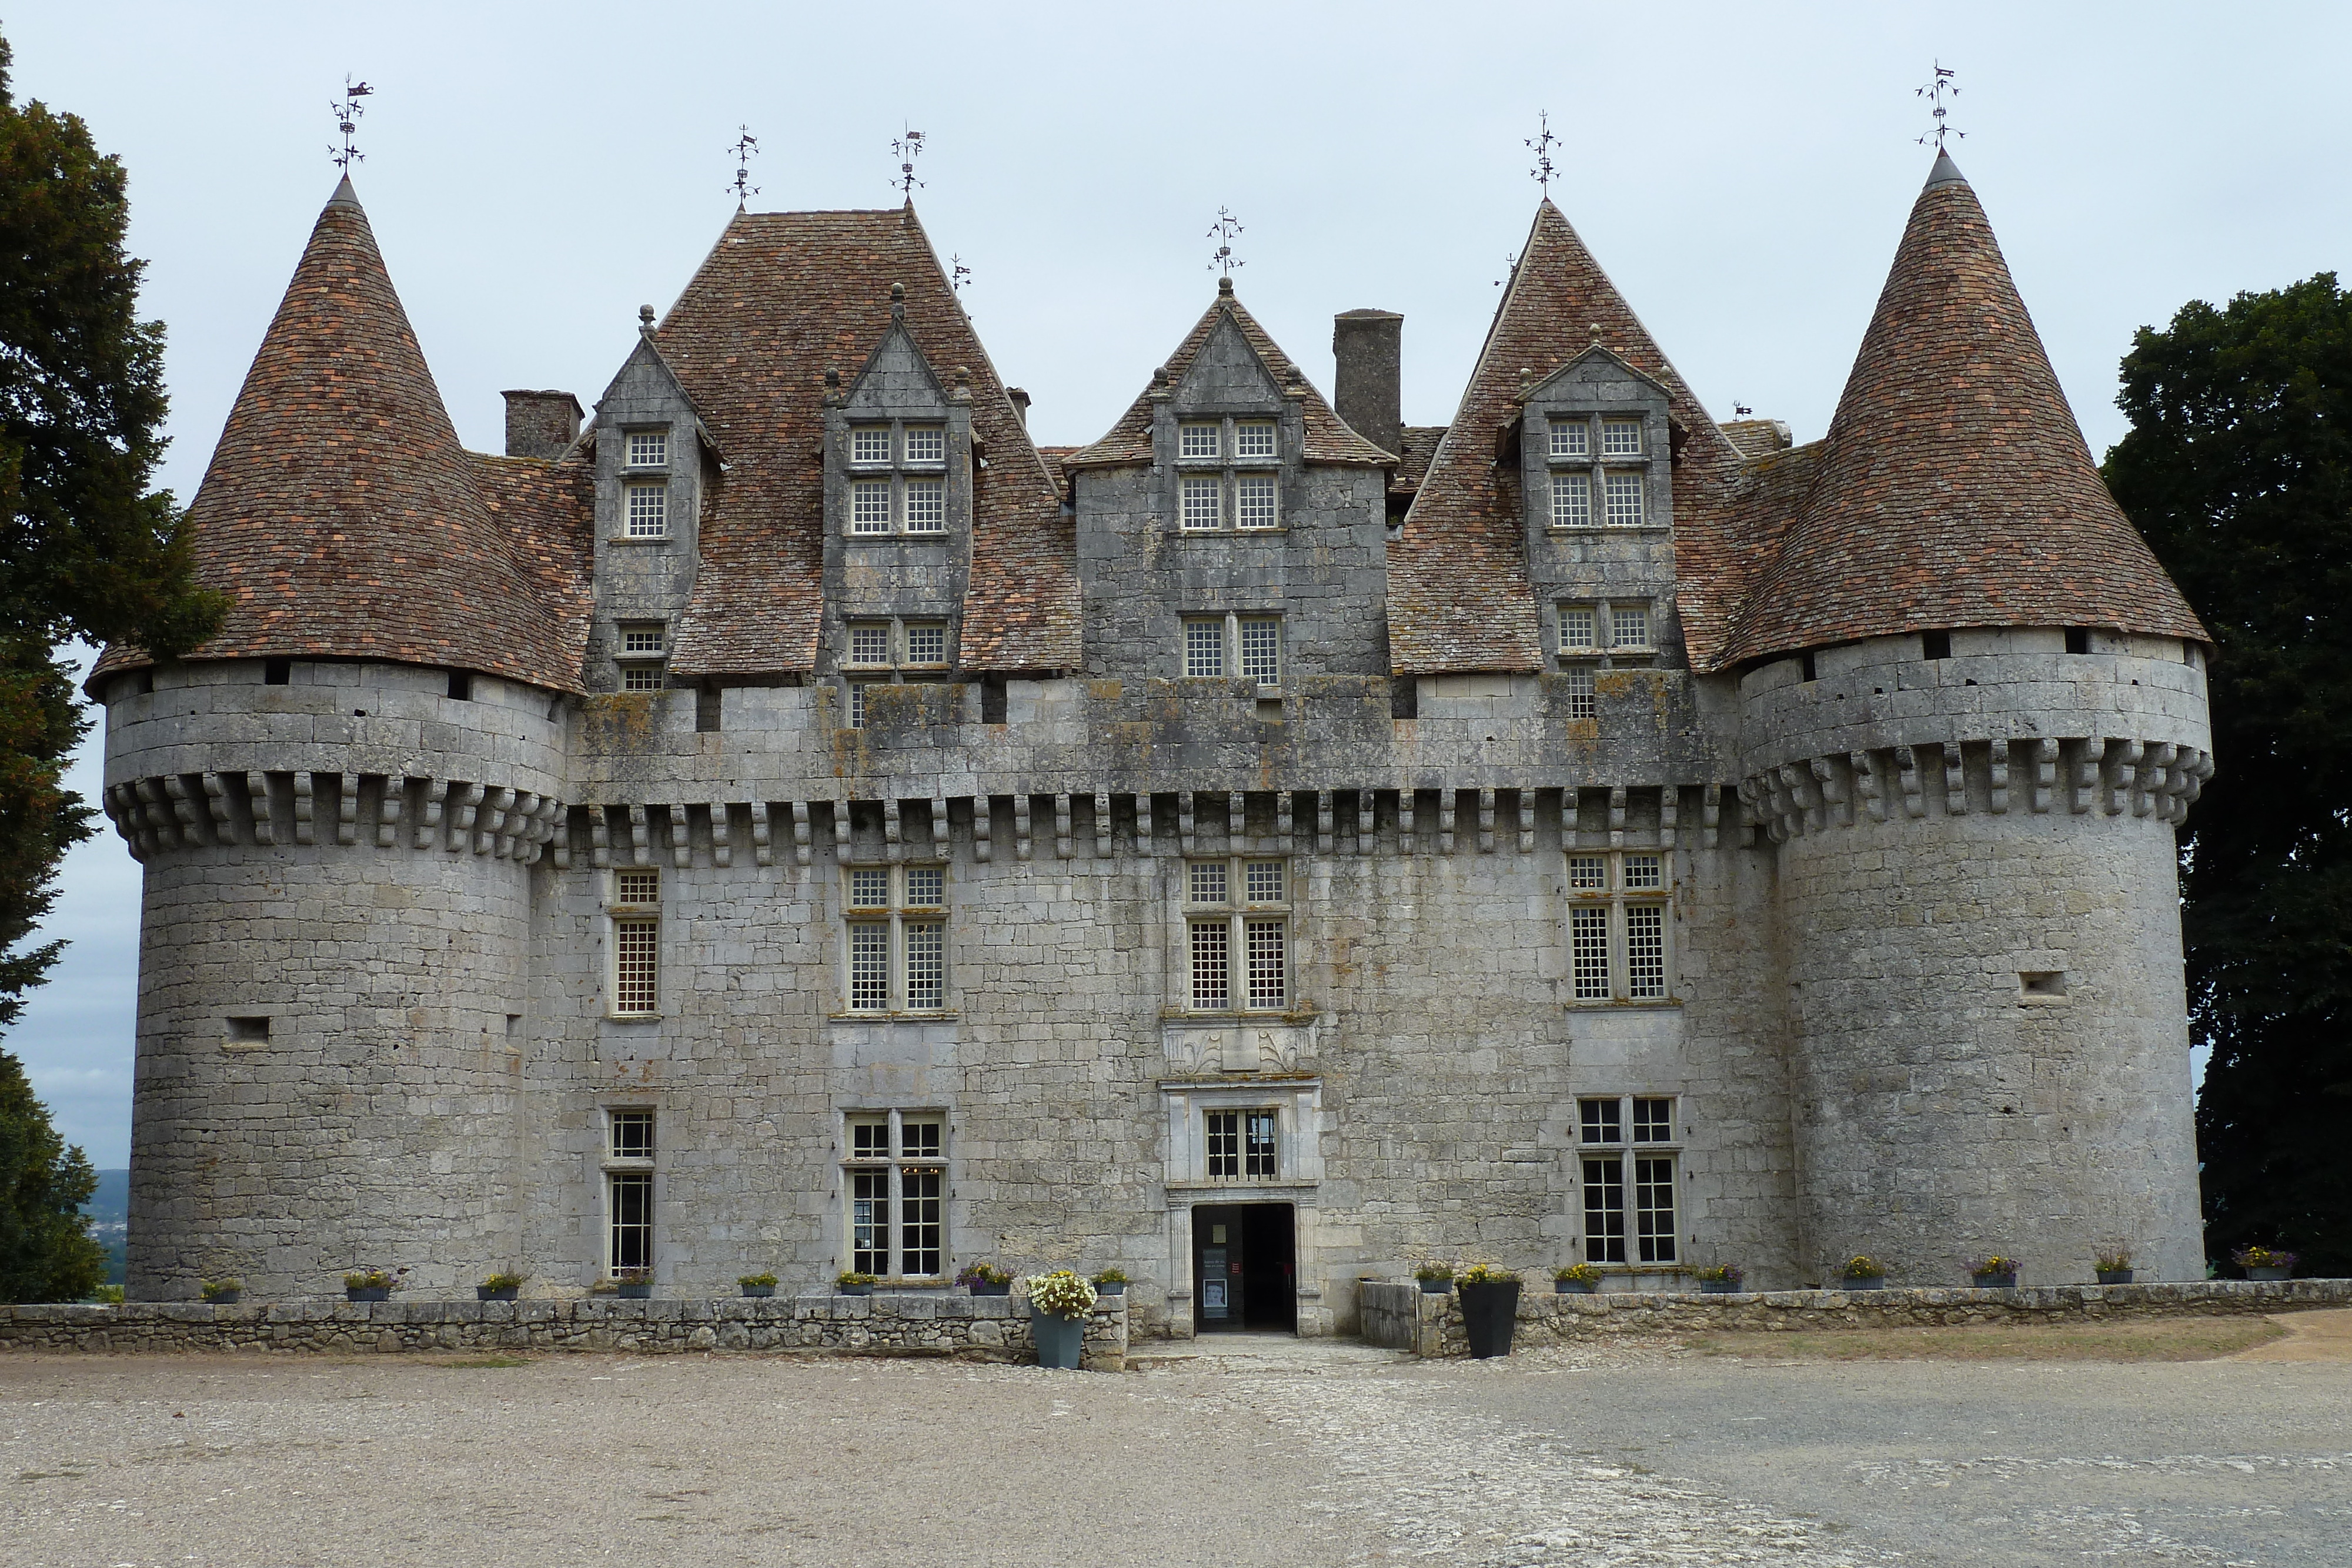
[
  {"x": 1545, "y": 1317},
  {"x": 973, "y": 1328}
]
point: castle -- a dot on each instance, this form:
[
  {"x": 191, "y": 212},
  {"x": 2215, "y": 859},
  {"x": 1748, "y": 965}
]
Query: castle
[{"x": 792, "y": 822}]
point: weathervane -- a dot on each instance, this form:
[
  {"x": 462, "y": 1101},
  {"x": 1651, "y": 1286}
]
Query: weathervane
[
  {"x": 959, "y": 272},
  {"x": 907, "y": 148},
  {"x": 1510, "y": 267},
  {"x": 347, "y": 119},
  {"x": 746, "y": 147},
  {"x": 1541, "y": 144},
  {"x": 1933, "y": 93},
  {"x": 1222, "y": 230}
]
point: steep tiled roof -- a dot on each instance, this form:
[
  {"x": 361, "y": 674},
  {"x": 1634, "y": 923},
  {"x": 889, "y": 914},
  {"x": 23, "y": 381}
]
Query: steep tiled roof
[
  {"x": 340, "y": 513},
  {"x": 1420, "y": 446},
  {"x": 1054, "y": 457},
  {"x": 1756, "y": 438},
  {"x": 781, "y": 297},
  {"x": 1327, "y": 440},
  {"x": 1953, "y": 487},
  {"x": 1459, "y": 598}
]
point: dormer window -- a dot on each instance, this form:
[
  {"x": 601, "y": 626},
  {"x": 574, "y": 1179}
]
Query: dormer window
[
  {"x": 1569, "y": 438},
  {"x": 869, "y": 444},
  {"x": 1629, "y": 627},
  {"x": 1254, "y": 506},
  {"x": 908, "y": 494},
  {"x": 1203, "y": 503},
  {"x": 643, "y": 646},
  {"x": 1621, "y": 438},
  {"x": 1572, "y": 500},
  {"x": 1199, "y": 441},
  {"x": 927, "y": 504},
  {"x": 648, "y": 511},
  {"x": 1576, "y": 629},
  {"x": 1253, "y": 438},
  {"x": 870, "y": 506},
  {"x": 927, "y": 443},
  {"x": 649, "y": 449},
  {"x": 1244, "y": 490},
  {"x": 927, "y": 643},
  {"x": 870, "y": 645}
]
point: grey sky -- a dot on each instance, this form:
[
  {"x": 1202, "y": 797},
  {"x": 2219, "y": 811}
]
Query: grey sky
[{"x": 1743, "y": 172}]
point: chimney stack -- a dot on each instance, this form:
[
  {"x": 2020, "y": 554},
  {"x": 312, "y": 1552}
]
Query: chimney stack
[
  {"x": 1019, "y": 405},
  {"x": 540, "y": 424},
  {"x": 1369, "y": 391}
]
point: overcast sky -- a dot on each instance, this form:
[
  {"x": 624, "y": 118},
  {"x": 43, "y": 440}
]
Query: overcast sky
[{"x": 535, "y": 174}]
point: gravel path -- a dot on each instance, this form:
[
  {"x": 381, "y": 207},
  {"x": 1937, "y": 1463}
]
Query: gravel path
[{"x": 1232, "y": 1453}]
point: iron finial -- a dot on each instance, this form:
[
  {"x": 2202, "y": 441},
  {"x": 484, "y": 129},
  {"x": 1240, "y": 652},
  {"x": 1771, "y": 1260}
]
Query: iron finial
[
  {"x": 746, "y": 146},
  {"x": 1934, "y": 92},
  {"x": 905, "y": 148},
  {"x": 347, "y": 113},
  {"x": 1222, "y": 230},
  {"x": 1540, "y": 144}
]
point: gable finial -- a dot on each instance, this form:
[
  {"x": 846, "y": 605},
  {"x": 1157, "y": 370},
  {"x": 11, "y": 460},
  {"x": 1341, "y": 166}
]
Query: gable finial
[
  {"x": 897, "y": 302},
  {"x": 347, "y": 113},
  {"x": 645, "y": 320},
  {"x": 1540, "y": 144},
  {"x": 745, "y": 148},
  {"x": 906, "y": 147},
  {"x": 1222, "y": 230},
  {"x": 1933, "y": 91}
]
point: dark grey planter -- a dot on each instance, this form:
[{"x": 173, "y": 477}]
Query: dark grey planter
[
  {"x": 1110, "y": 1287},
  {"x": 855, "y": 1290},
  {"x": 1059, "y": 1339},
  {"x": 1864, "y": 1282},
  {"x": 758, "y": 1292},
  {"x": 1575, "y": 1287},
  {"x": 1435, "y": 1287},
  {"x": 497, "y": 1293},
  {"x": 367, "y": 1292},
  {"x": 644, "y": 1293},
  {"x": 1490, "y": 1316},
  {"x": 2115, "y": 1276},
  {"x": 985, "y": 1289},
  {"x": 1718, "y": 1287},
  {"x": 2270, "y": 1273},
  {"x": 226, "y": 1298},
  {"x": 1993, "y": 1281}
]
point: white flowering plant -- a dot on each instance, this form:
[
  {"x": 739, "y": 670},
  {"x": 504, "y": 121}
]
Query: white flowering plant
[{"x": 1061, "y": 1293}]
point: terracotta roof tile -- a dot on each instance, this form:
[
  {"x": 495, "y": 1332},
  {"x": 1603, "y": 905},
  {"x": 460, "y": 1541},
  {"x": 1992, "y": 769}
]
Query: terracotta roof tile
[
  {"x": 781, "y": 298},
  {"x": 1757, "y": 437},
  {"x": 1420, "y": 446},
  {"x": 1459, "y": 598},
  {"x": 1328, "y": 437},
  {"x": 1953, "y": 487},
  {"x": 341, "y": 514}
]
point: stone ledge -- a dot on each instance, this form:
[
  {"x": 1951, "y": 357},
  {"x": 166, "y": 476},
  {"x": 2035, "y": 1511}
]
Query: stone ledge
[
  {"x": 986, "y": 1328},
  {"x": 1432, "y": 1325}
]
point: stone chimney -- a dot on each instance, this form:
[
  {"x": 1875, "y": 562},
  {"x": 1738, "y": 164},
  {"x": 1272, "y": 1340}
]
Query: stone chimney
[
  {"x": 1368, "y": 391},
  {"x": 1019, "y": 405},
  {"x": 540, "y": 424}
]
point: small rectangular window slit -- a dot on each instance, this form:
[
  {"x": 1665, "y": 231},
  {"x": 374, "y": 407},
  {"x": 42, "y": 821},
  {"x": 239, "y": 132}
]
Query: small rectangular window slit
[
  {"x": 247, "y": 1034},
  {"x": 2042, "y": 984}
]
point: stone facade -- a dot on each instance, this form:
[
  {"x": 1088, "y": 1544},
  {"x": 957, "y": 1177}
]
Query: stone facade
[{"x": 935, "y": 849}]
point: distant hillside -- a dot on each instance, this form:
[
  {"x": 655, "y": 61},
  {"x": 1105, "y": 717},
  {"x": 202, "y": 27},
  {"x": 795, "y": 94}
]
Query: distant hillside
[{"x": 109, "y": 1209}]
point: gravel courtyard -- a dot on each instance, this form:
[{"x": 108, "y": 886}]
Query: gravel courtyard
[{"x": 1253, "y": 1451}]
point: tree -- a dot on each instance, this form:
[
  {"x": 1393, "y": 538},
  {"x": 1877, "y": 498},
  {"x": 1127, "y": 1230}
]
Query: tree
[
  {"x": 89, "y": 550},
  {"x": 47, "y": 1253},
  {"x": 2238, "y": 469}
]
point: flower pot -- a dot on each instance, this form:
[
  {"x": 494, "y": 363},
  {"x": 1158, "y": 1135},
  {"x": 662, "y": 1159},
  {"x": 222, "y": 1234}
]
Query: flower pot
[
  {"x": 497, "y": 1293},
  {"x": 985, "y": 1289},
  {"x": 1575, "y": 1287},
  {"x": 367, "y": 1292},
  {"x": 2270, "y": 1273},
  {"x": 1490, "y": 1315},
  {"x": 1864, "y": 1283},
  {"x": 226, "y": 1298},
  {"x": 1435, "y": 1287},
  {"x": 2115, "y": 1276},
  {"x": 855, "y": 1290},
  {"x": 1718, "y": 1287},
  {"x": 759, "y": 1291},
  {"x": 1110, "y": 1287},
  {"x": 644, "y": 1293},
  {"x": 1993, "y": 1281},
  {"x": 1059, "y": 1339}
]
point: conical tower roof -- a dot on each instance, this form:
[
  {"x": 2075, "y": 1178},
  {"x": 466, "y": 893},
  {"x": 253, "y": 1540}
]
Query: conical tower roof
[
  {"x": 1953, "y": 487},
  {"x": 1459, "y": 594},
  {"x": 338, "y": 513}
]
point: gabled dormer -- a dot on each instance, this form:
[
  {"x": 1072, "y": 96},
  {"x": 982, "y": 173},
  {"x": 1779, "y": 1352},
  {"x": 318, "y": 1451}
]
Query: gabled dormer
[
  {"x": 899, "y": 454},
  {"x": 1227, "y": 438},
  {"x": 1594, "y": 443},
  {"x": 655, "y": 462}
]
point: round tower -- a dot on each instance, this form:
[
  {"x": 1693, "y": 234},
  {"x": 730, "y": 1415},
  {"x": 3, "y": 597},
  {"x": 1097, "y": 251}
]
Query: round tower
[
  {"x": 1973, "y": 712},
  {"x": 337, "y": 802}
]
